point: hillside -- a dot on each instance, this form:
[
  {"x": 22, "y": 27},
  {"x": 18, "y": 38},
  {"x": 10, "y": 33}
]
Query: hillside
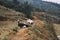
[
  {"x": 40, "y": 30},
  {"x": 46, "y": 16},
  {"x": 52, "y": 9},
  {"x": 8, "y": 21},
  {"x": 9, "y": 13},
  {"x": 49, "y": 7}
]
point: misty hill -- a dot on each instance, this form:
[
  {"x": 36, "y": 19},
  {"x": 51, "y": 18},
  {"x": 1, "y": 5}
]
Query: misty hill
[{"x": 51, "y": 8}]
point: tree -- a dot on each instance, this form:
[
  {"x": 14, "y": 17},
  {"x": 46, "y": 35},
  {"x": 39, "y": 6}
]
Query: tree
[
  {"x": 15, "y": 2},
  {"x": 27, "y": 9}
]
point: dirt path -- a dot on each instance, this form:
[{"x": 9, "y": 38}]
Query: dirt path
[{"x": 22, "y": 33}]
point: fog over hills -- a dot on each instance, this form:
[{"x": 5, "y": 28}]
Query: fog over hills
[{"x": 55, "y": 1}]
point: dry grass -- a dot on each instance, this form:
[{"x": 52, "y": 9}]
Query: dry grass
[
  {"x": 6, "y": 12},
  {"x": 57, "y": 28},
  {"x": 38, "y": 31},
  {"x": 6, "y": 27}
]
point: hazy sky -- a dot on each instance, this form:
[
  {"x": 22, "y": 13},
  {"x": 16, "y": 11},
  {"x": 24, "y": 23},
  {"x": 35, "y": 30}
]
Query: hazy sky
[{"x": 56, "y": 1}]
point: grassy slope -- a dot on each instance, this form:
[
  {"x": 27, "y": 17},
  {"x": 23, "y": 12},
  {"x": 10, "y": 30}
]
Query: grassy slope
[
  {"x": 57, "y": 28},
  {"x": 6, "y": 27},
  {"x": 6, "y": 12},
  {"x": 32, "y": 33},
  {"x": 38, "y": 31}
]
